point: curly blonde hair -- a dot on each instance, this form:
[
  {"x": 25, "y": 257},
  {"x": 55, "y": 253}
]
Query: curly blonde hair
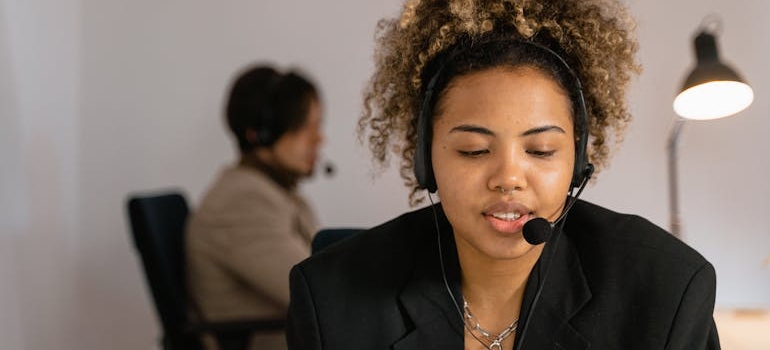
[{"x": 595, "y": 35}]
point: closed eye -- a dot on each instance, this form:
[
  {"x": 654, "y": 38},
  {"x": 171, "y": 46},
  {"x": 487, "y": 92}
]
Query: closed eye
[
  {"x": 541, "y": 154},
  {"x": 477, "y": 153}
]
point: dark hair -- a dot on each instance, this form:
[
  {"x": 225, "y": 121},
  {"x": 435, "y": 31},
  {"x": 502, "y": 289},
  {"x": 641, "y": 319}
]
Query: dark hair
[
  {"x": 595, "y": 37},
  {"x": 268, "y": 102}
]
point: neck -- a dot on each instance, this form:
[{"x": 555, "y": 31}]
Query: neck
[
  {"x": 496, "y": 283},
  {"x": 261, "y": 162}
]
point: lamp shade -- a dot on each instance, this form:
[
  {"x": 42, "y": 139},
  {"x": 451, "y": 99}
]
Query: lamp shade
[{"x": 712, "y": 90}]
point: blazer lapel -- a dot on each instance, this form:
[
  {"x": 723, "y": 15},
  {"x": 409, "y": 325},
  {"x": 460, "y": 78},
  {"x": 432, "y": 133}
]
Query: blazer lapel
[
  {"x": 437, "y": 323},
  {"x": 565, "y": 292}
]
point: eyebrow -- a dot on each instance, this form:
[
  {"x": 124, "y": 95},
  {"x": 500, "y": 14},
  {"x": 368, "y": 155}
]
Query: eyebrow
[
  {"x": 484, "y": 131},
  {"x": 472, "y": 128},
  {"x": 542, "y": 129}
]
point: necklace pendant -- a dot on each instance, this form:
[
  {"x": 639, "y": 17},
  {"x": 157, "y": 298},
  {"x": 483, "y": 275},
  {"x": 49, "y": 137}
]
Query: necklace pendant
[{"x": 496, "y": 345}]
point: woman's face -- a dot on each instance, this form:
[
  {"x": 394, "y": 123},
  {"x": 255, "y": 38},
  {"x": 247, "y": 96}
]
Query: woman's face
[
  {"x": 297, "y": 150},
  {"x": 502, "y": 128}
]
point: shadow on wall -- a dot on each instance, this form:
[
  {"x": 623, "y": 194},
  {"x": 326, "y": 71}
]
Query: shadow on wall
[
  {"x": 12, "y": 197},
  {"x": 11, "y": 184}
]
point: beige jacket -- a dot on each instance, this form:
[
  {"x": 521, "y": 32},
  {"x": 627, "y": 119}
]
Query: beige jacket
[{"x": 241, "y": 243}]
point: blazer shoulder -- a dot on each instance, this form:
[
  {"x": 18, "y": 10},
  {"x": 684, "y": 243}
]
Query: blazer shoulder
[
  {"x": 624, "y": 236},
  {"x": 244, "y": 193}
]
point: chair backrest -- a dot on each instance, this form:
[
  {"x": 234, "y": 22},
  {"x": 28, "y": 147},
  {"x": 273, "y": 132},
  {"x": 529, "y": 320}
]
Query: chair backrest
[
  {"x": 158, "y": 225},
  {"x": 329, "y": 236}
]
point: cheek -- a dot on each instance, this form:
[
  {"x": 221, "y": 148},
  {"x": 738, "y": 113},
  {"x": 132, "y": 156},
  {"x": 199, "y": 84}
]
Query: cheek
[
  {"x": 551, "y": 189},
  {"x": 305, "y": 143},
  {"x": 296, "y": 146},
  {"x": 551, "y": 184},
  {"x": 454, "y": 177},
  {"x": 290, "y": 151}
]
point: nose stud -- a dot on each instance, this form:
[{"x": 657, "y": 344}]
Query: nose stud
[{"x": 502, "y": 190}]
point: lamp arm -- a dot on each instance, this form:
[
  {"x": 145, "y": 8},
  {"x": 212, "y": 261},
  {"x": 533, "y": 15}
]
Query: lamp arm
[{"x": 673, "y": 183}]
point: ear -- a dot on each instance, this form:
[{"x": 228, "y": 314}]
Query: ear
[{"x": 251, "y": 136}]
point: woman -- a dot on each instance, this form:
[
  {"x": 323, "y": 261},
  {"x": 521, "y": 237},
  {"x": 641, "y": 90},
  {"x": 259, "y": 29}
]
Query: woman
[
  {"x": 252, "y": 224},
  {"x": 492, "y": 104}
]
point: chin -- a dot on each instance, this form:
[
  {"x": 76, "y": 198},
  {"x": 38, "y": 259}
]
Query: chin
[
  {"x": 510, "y": 249},
  {"x": 307, "y": 173},
  {"x": 303, "y": 169}
]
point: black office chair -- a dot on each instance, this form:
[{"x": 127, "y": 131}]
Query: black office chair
[
  {"x": 330, "y": 236},
  {"x": 158, "y": 225}
]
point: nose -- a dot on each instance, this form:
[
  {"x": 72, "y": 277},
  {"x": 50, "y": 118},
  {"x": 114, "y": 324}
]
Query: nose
[
  {"x": 318, "y": 136},
  {"x": 508, "y": 174}
]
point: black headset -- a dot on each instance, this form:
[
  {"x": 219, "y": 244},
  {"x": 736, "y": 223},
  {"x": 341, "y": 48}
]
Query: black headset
[
  {"x": 265, "y": 122},
  {"x": 423, "y": 168}
]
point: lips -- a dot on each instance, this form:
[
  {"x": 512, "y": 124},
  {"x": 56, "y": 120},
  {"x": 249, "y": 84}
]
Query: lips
[{"x": 507, "y": 217}]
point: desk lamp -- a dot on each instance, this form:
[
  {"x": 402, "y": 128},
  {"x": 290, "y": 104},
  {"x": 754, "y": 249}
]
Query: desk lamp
[{"x": 712, "y": 90}]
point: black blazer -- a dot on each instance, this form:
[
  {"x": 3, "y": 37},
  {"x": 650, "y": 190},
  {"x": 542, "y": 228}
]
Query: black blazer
[{"x": 615, "y": 281}]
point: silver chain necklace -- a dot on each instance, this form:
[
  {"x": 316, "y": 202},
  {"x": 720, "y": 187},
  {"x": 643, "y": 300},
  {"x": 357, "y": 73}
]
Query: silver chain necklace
[{"x": 495, "y": 340}]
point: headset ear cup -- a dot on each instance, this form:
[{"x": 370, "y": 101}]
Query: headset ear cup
[
  {"x": 423, "y": 167},
  {"x": 264, "y": 136},
  {"x": 581, "y": 165},
  {"x": 583, "y": 169}
]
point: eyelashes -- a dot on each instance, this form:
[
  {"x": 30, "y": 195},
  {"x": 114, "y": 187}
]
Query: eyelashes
[
  {"x": 541, "y": 154},
  {"x": 473, "y": 154},
  {"x": 479, "y": 153}
]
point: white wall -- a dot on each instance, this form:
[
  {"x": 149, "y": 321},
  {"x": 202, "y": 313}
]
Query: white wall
[
  {"x": 11, "y": 192},
  {"x": 101, "y": 98},
  {"x": 40, "y": 62}
]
